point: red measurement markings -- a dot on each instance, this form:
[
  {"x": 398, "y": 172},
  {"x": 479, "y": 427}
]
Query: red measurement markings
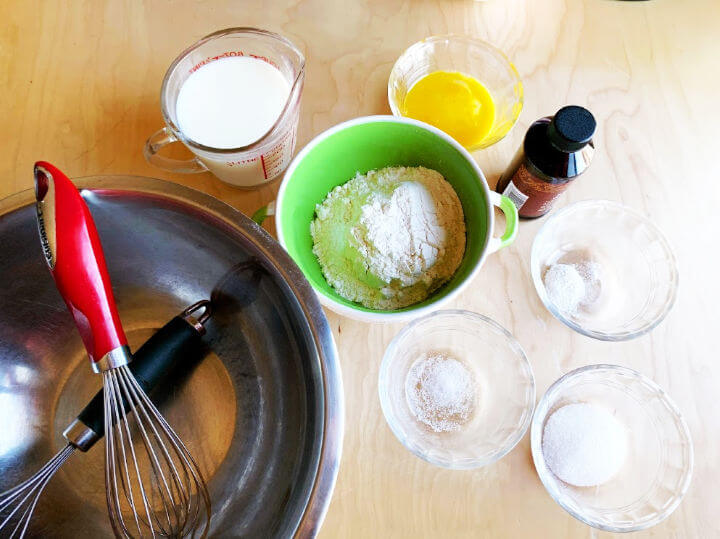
[
  {"x": 241, "y": 162},
  {"x": 274, "y": 161},
  {"x": 230, "y": 54},
  {"x": 276, "y": 158}
]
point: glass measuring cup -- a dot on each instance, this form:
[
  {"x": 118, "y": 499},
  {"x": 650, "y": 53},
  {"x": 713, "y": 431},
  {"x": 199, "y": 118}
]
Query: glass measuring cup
[
  {"x": 247, "y": 166},
  {"x": 467, "y": 55}
]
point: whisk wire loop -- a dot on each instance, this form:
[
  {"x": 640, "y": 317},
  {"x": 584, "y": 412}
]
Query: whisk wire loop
[
  {"x": 24, "y": 497},
  {"x": 154, "y": 487},
  {"x": 178, "y": 491},
  {"x": 116, "y": 452},
  {"x": 162, "y": 495}
]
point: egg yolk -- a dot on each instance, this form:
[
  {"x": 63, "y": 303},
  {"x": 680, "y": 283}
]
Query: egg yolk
[{"x": 454, "y": 102}]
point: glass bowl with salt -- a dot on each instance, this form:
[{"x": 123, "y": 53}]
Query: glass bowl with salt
[
  {"x": 456, "y": 389},
  {"x": 611, "y": 448},
  {"x": 604, "y": 270}
]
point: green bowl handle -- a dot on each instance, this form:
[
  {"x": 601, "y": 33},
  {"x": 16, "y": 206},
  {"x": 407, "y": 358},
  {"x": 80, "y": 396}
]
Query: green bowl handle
[
  {"x": 511, "y": 222},
  {"x": 263, "y": 213}
]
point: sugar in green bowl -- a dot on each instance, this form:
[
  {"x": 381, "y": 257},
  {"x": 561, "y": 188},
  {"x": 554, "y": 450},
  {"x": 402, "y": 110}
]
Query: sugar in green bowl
[{"x": 374, "y": 142}]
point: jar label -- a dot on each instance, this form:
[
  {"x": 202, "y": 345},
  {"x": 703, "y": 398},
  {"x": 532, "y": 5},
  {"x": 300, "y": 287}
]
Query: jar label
[{"x": 515, "y": 195}]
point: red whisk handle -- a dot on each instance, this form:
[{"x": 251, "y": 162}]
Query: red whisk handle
[{"x": 72, "y": 249}]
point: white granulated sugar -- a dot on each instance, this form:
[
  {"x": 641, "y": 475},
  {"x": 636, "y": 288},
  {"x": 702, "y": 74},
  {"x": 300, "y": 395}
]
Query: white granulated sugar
[
  {"x": 584, "y": 444},
  {"x": 390, "y": 237},
  {"x": 565, "y": 287},
  {"x": 440, "y": 392}
]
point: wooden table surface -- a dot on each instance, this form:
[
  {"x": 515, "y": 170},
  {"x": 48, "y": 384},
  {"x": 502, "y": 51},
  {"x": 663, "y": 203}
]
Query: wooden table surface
[{"x": 79, "y": 86}]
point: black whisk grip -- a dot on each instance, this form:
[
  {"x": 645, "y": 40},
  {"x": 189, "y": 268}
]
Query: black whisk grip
[{"x": 177, "y": 342}]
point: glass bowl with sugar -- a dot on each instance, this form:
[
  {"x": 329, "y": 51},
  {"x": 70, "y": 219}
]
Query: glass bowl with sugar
[{"x": 611, "y": 448}]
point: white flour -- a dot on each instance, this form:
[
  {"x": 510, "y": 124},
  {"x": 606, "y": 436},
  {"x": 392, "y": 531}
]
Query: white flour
[
  {"x": 572, "y": 286},
  {"x": 565, "y": 287},
  {"x": 389, "y": 238},
  {"x": 400, "y": 237}
]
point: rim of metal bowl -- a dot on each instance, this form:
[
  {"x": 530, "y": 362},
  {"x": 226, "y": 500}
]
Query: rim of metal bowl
[
  {"x": 383, "y": 391},
  {"x": 334, "y": 405},
  {"x": 547, "y": 478},
  {"x": 600, "y": 335}
]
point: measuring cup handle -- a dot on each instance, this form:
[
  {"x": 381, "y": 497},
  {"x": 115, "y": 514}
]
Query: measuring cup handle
[{"x": 158, "y": 140}]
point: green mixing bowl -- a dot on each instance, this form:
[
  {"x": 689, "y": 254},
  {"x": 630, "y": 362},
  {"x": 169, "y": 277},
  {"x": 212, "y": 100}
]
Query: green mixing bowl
[{"x": 373, "y": 142}]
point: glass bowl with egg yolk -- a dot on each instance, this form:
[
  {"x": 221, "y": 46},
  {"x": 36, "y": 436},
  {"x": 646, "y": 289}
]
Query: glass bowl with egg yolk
[{"x": 462, "y": 85}]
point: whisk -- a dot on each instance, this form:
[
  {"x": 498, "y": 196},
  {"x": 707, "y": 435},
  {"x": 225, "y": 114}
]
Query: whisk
[
  {"x": 177, "y": 344},
  {"x": 153, "y": 485}
]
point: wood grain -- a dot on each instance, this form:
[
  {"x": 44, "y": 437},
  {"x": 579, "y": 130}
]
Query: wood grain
[{"x": 79, "y": 86}]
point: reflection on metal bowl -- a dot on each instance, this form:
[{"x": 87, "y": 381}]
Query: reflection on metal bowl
[{"x": 262, "y": 414}]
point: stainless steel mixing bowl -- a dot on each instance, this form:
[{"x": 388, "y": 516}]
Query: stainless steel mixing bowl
[{"x": 263, "y": 414}]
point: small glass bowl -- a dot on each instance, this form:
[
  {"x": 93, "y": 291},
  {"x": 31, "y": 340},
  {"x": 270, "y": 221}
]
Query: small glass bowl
[
  {"x": 467, "y": 55},
  {"x": 638, "y": 276},
  {"x": 504, "y": 397},
  {"x": 659, "y": 463}
]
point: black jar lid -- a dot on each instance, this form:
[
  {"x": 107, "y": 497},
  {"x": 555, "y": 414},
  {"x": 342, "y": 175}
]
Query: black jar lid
[{"x": 571, "y": 128}]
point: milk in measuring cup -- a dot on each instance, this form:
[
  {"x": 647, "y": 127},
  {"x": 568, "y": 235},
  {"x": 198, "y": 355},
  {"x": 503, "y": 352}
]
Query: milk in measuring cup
[{"x": 230, "y": 103}]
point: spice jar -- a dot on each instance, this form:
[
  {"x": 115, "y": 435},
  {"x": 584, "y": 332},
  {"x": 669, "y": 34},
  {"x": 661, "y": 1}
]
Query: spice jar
[{"x": 556, "y": 150}]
